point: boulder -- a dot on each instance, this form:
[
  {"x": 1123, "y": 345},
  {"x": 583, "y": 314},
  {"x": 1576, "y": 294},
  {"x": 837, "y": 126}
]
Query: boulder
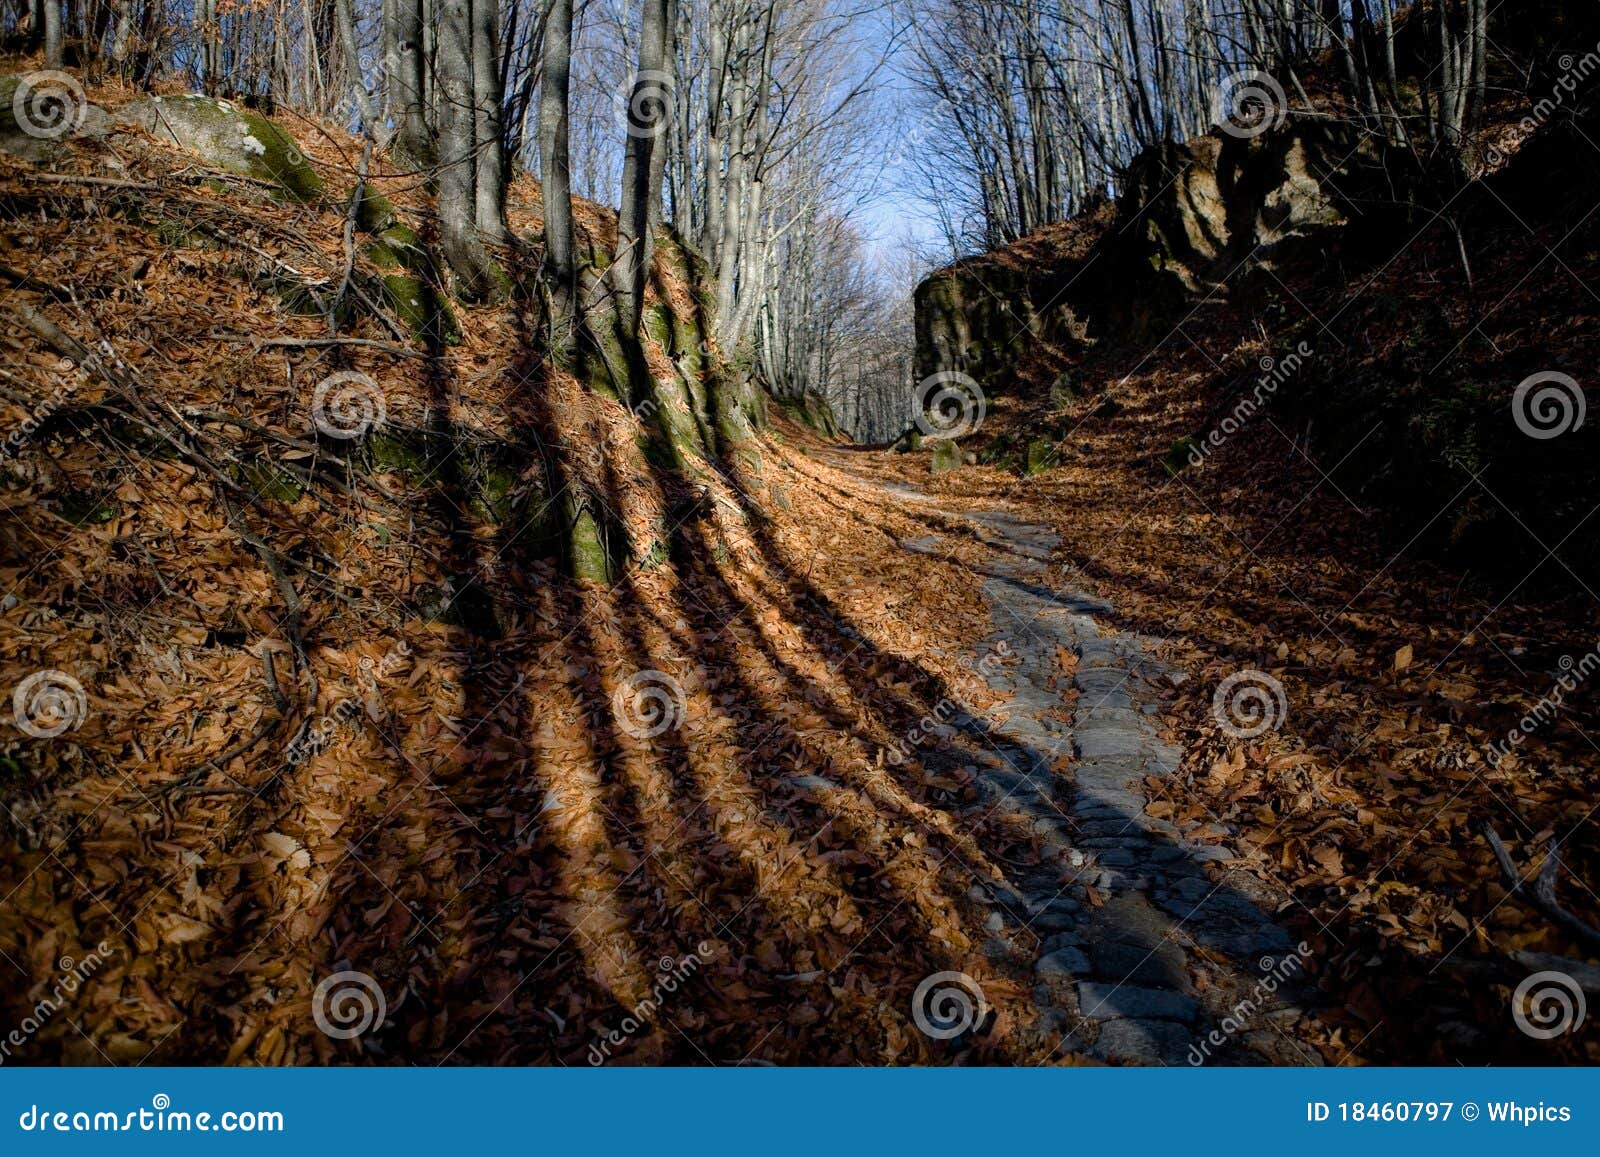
[
  {"x": 40, "y": 111},
  {"x": 230, "y": 137}
]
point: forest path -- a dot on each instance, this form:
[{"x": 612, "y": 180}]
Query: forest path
[{"x": 1143, "y": 946}]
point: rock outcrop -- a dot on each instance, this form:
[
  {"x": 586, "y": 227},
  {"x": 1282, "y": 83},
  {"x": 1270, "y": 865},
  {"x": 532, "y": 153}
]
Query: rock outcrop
[{"x": 1191, "y": 216}]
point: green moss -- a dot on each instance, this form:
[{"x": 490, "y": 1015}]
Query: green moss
[
  {"x": 376, "y": 213},
  {"x": 179, "y": 234},
  {"x": 393, "y": 452},
  {"x": 82, "y": 508},
  {"x": 659, "y": 327},
  {"x": 605, "y": 363},
  {"x": 265, "y": 480},
  {"x": 493, "y": 492},
  {"x": 1040, "y": 456},
  {"x": 12, "y": 776},
  {"x": 946, "y": 456},
  {"x": 1180, "y": 456},
  {"x": 407, "y": 285},
  {"x": 589, "y": 558}
]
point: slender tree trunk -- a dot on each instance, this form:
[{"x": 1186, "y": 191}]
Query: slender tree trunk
[
  {"x": 122, "y": 32},
  {"x": 649, "y": 106},
  {"x": 555, "y": 171},
  {"x": 488, "y": 130},
  {"x": 733, "y": 183},
  {"x": 405, "y": 81},
  {"x": 475, "y": 274},
  {"x": 55, "y": 55},
  {"x": 344, "y": 18}
]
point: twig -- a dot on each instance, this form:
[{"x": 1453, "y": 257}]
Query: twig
[
  {"x": 70, "y": 347},
  {"x": 270, "y": 722},
  {"x": 1543, "y": 896},
  {"x": 102, "y": 182},
  {"x": 356, "y": 199},
  {"x": 270, "y": 560},
  {"x": 398, "y": 351}
]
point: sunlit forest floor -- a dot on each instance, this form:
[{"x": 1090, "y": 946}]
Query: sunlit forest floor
[{"x": 678, "y": 818}]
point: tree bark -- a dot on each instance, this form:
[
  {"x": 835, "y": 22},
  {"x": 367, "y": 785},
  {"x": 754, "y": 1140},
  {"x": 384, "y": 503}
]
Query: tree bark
[
  {"x": 648, "y": 109},
  {"x": 488, "y": 129},
  {"x": 344, "y": 17},
  {"x": 54, "y": 45},
  {"x": 469, "y": 261},
  {"x": 555, "y": 171},
  {"x": 405, "y": 82}
]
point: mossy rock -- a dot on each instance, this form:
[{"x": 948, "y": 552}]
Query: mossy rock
[
  {"x": 910, "y": 442},
  {"x": 393, "y": 452},
  {"x": 1062, "y": 392},
  {"x": 375, "y": 213},
  {"x": 231, "y": 137},
  {"x": 1041, "y": 455},
  {"x": 55, "y": 116},
  {"x": 408, "y": 281},
  {"x": 946, "y": 457}
]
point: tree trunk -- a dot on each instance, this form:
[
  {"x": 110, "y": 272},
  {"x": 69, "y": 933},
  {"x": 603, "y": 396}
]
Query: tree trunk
[
  {"x": 555, "y": 172},
  {"x": 649, "y": 105},
  {"x": 344, "y": 17},
  {"x": 55, "y": 55},
  {"x": 405, "y": 81},
  {"x": 475, "y": 273},
  {"x": 488, "y": 130}
]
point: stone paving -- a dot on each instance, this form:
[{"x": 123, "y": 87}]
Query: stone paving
[{"x": 1180, "y": 962}]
